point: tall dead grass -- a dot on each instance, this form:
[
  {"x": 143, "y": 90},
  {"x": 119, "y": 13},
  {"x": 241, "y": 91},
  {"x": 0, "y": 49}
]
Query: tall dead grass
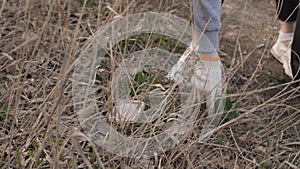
[{"x": 40, "y": 41}]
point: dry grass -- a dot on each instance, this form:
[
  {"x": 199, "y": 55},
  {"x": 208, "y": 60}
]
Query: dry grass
[{"x": 40, "y": 41}]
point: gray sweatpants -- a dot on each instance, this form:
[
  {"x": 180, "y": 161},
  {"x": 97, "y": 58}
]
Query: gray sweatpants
[{"x": 207, "y": 18}]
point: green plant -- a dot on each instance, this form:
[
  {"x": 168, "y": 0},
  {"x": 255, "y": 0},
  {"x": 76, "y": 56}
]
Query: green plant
[
  {"x": 142, "y": 78},
  {"x": 229, "y": 114},
  {"x": 30, "y": 153},
  {"x": 81, "y": 1},
  {"x": 4, "y": 107},
  {"x": 104, "y": 12},
  {"x": 139, "y": 84},
  {"x": 220, "y": 139},
  {"x": 162, "y": 40}
]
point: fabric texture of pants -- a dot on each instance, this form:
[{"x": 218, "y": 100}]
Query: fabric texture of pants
[
  {"x": 295, "y": 59},
  {"x": 207, "y": 18},
  {"x": 287, "y": 10}
]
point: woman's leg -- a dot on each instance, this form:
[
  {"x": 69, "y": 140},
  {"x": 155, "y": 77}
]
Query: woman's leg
[
  {"x": 287, "y": 10},
  {"x": 287, "y": 14},
  {"x": 207, "y": 18},
  {"x": 295, "y": 61}
]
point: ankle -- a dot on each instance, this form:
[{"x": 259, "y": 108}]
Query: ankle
[
  {"x": 285, "y": 36},
  {"x": 287, "y": 27}
]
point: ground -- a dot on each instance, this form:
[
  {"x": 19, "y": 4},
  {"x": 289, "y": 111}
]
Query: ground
[{"x": 40, "y": 40}]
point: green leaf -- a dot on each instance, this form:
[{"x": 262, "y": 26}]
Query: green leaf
[
  {"x": 231, "y": 115},
  {"x": 81, "y": 1},
  {"x": 228, "y": 104},
  {"x": 161, "y": 39},
  {"x": 31, "y": 153},
  {"x": 5, "y": 107},
  {"x": 104, "y": 12},
  {"x": 142, "y": 78},
  {"x": 221, "y": 139}
]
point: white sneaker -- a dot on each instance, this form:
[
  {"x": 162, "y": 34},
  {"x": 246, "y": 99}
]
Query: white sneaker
[
  {"x": 281, "y": 50},
  {"x": 287, "y": 65}
]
